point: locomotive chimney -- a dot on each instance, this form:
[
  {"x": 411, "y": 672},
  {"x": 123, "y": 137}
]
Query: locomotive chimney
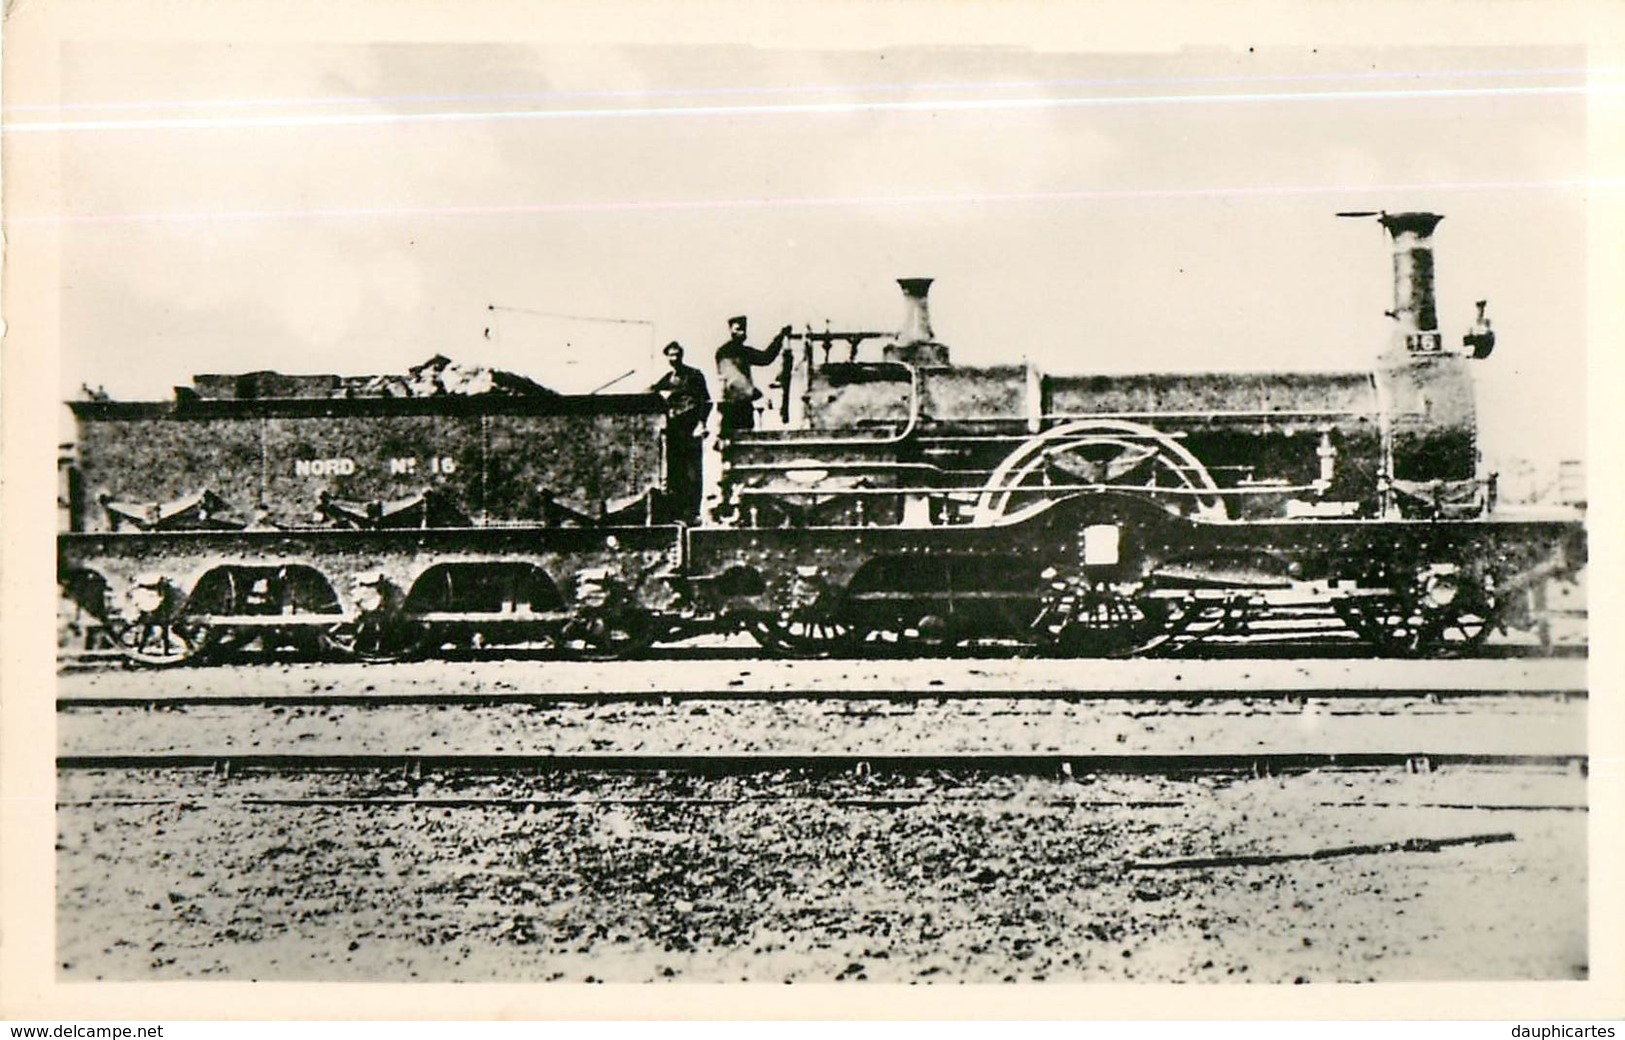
[
  {"x": 1414, "y": 306},
  {"x": 917, "y": 311},
  {"x": 916, "y": 344}
]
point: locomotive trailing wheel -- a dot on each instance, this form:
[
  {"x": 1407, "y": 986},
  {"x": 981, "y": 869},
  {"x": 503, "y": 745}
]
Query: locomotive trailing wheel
[
  {"x": 804, "y": 632},
  {"x": 1096, "y": 455},
  {"x": 609, "y": 623},
  {"x": 809, "y": 623},
  {"x": 1083, "y": 618}
]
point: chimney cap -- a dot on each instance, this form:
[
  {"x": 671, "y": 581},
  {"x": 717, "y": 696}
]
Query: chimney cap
[{"x": 1416, "y": 223}]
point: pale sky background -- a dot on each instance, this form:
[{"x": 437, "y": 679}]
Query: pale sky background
[{"x": 355, "y": 209}]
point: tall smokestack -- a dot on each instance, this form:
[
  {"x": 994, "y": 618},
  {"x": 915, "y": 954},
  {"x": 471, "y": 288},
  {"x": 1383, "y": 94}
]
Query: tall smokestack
[
  {"x": 916, "y": 344},
  {"x": 917, "y": 311},
  {"x": 1415, "y": 308}
]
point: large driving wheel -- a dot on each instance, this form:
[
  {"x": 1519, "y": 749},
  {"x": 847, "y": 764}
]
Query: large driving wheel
[{"x": 1098, "y": 456}]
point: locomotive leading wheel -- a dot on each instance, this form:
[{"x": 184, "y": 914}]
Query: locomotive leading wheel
[
  {"x": 1388, "y": 624},
  {"x": 1459, "y": 610},
  {"x": 1444, "y": 612}
]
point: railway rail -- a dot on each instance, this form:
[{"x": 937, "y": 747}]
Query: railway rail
[
  {"x": 721, "y": 765},
  {"x": 156, "y": 700},
  {"x": 679, "y": 681}
]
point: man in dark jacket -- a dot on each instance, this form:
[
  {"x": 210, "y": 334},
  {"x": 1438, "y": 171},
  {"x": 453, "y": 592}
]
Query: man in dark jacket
[
  {"x": 688, "y": 403},
  {"x": 734, "y": 362}
]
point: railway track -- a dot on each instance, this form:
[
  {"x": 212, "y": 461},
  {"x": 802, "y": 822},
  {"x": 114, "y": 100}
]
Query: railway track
[
  {"x": 1294, "y": 646},
  {"x": 684, "y": 680},
  {"x": 1064, "y": 766}
]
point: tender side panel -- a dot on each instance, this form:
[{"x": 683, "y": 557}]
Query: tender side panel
[
  {"x": 376, "y": 459},
  {"x": 271, "y": 461},
  {"x": 589, "y": 463},
  {"x": 155, "y": 459}
]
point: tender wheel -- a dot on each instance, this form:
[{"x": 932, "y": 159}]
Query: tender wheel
[
  {"x": 163, "y": 643},
  {"x": 803, "y": 633},
  {"x": 611, "y": 635},
  {"x": 268, "y": 592},
  {"x": 375, "y": 640},
  {"x": 81, "y": 607}
]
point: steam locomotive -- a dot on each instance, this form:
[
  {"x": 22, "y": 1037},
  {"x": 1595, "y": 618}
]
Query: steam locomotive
[{"x": 892, "y": 500}]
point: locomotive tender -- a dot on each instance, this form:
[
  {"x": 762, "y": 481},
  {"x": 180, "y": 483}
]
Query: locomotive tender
[{"x": 894, "y": 499}]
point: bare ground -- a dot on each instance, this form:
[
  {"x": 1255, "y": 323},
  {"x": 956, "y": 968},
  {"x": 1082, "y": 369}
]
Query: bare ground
[{"x": 775, "y": 878}]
